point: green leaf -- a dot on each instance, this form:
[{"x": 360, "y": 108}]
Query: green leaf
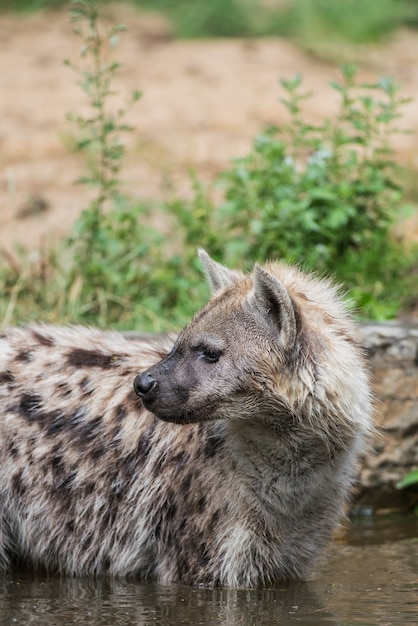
[
  {"x": 336, "y": 86},
  {"x": 410, "y": 479}
]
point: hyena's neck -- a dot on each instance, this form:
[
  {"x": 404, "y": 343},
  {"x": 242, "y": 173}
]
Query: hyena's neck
[{"x": 283, "y": 468}]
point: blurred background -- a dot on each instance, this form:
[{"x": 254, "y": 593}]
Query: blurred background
[{"x": 209, "y": 73}]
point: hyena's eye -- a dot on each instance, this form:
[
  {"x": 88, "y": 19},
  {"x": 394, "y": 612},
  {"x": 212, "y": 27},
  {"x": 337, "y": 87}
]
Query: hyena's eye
[{"x": 211, "y": 355}]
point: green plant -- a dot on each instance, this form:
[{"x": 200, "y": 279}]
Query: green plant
[
  {"x": 354, "y": 21},
  {"x": 217, "y": 18},
  {"x": 123, "y": 273},
  {"x": 108, "y": 241},
  {"x": 409, "y": 480},
  {"x": 325, "y": 196},
  {"x": 308, "y": 21},
  {"x": 100, "y": 131}
]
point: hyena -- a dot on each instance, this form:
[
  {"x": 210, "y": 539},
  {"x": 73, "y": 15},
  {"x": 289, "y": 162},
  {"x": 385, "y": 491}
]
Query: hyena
[{"x": 229, "y": 459}]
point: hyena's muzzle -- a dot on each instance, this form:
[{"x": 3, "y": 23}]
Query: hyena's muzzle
[{"x": 164, "y": 388}]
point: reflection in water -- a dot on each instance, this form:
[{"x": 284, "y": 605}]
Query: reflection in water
[
  {"x": 363, "y": 582},
  {"x": 48, "y": 601}
]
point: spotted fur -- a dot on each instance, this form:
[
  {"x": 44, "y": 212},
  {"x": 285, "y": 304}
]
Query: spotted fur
[{"x": 232, "y": 470}]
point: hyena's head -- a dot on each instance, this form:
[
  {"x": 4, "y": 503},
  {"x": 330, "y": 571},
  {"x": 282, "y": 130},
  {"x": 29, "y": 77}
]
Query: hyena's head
[{"x": 252, "y": 351}]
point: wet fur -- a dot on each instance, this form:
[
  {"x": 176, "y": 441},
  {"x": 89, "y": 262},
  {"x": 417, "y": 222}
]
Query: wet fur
[{"x": 248, "y": 485}]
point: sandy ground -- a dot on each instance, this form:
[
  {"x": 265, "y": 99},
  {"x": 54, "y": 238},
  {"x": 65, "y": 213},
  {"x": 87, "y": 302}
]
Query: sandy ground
[{"x": 203, "y": 103}]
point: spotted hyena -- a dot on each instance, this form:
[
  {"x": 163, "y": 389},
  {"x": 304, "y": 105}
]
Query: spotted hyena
[{"x": 229, "y": 460}]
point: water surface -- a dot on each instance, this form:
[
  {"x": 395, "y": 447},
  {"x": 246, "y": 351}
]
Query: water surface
[{"x": 370, "y": 577}]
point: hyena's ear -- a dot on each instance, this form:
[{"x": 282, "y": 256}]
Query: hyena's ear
[
  {"x": 218, "y": 275},
  {"x": 273, "y": 299}
]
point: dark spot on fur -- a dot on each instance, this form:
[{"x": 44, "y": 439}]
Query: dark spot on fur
[
  {"x": 115, "y": 437},
  {"x": 14, "y": 451},
  {"x": 133, "y": 403},
  {"x": 58, "y": 422},
  {"x": 180, "y": 459},
  {"x": 89, "y": 358},
  {"x": 185, "y": 485},
  {"x": 57, "y": 464},
  {"x": 42, "y": 339},
  {"x": 171, "y": 511},
  {"x": 84, "y": 386},
  {"x": 24, "y": 356},
  {"x": 214, "y": 521},
  {"x": 181, "y": 527},
  {"x": 29, "y": 406},
  {"x": 201, "y": 504},
  {"x": 91, "y": 429},
  {"x": 64, "y": 484},
  {"x": 157, "y": 530},
  {"x": 203, "y": 554},
  {"x": 144, "y": 445},
  {"x": 87, "y": 542},
  {"x": 18, "y": 487},
  {"x": 212, "y": 445},
  {"x": 120, "y": 413},
  {"x": 89, "y": 488},
  {"x": 145, "y": 442},
  {"x": 77, "y": 418},
  {"x": 128, "y": 466},
  {"x": 6, "y": 378},
  {"x": 64, "y": 389},
  {"x": 97, "y": 452},
  {"x": 70, "y": 526}
]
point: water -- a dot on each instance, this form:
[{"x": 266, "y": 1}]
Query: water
[{"x": 370, "y": 577}]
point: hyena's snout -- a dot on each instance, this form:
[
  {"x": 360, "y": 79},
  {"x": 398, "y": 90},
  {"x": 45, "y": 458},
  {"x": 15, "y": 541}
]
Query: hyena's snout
[
  {"x": 162, "y": 389},
  {"x": 145, "y": 386}
]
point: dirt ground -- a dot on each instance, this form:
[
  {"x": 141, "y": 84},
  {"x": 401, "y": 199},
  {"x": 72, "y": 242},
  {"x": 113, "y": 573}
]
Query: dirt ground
[{"x": 203, "y": 103}]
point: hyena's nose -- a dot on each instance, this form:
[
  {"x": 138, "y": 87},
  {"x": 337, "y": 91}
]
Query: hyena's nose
[{"x": 144, "y": 385}]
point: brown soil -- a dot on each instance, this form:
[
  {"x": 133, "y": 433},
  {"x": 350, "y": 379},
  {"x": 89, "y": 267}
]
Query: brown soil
[{"x": 203, "y": 103}]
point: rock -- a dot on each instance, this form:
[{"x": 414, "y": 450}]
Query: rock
[{"x": 393, "y": 351}]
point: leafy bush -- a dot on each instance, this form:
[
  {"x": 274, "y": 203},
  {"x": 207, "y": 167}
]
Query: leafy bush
[{"x": 325, "y": 196}]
